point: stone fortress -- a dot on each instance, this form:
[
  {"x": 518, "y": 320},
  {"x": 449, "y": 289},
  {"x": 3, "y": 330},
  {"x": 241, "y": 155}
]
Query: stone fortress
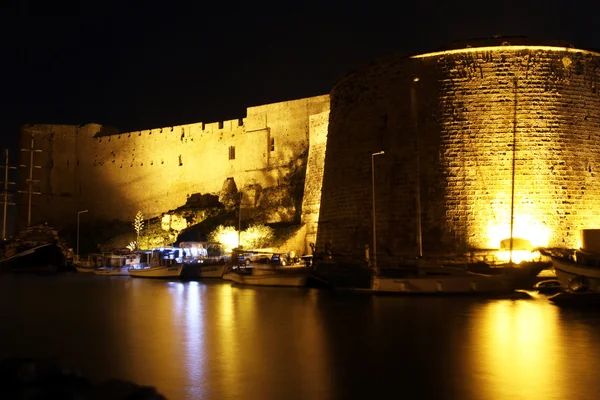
[
  {"x": 480, "y": 139},
  {"x": 114, "y": 175}
]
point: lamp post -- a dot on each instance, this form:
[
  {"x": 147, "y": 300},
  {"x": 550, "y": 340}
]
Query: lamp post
[
  {"x": 240, "y": 223},
  {"x": 78, "y": 214},
  {"x": 374, "y": 217},
  {"x": 415, "y": 114}
]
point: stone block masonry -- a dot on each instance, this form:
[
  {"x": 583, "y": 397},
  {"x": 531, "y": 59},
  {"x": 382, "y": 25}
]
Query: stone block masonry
[
  {"x": 452, "y": 135},
  {"x": 115, "y": 175},
  {"x": 478, "y": 141}
]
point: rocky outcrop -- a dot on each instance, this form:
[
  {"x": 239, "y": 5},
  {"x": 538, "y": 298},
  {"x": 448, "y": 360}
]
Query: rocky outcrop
[{"x": 43, "y": 379}]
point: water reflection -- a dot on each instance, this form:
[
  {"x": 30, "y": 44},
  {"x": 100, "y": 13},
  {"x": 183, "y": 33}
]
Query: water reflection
[
  {"x": 517, "y": 350},
  {"x": 214, "y": 340},
  {"x": 193, "y": 317},
  {"x": 227, "y": 326},
  {"x": 267, "y": 347},
  {"x": 532, "y": 349},
  {"x": 154, "y": 333}
]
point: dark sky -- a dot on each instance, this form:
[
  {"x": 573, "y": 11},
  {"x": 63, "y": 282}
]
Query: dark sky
[{"x": 141, "y": 64}]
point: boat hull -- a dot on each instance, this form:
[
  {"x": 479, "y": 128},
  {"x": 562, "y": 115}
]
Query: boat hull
[
  {"x": 568, "y": 271},
  {"x": 163, "y": 271},
  {"x": 201, "y": 271},
  {"x": 46, "y": 258},
  {"x": 117, "y": 271},
  {"x": 84, "y": 269},
  {"x": 265, "y": 278},
  {"x": 468, "y": 284},
  {"x": 525, "y": 274}
]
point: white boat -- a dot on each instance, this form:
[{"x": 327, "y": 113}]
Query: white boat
[
  {"x": 272, "y": 271},
  {"x": 579, "y": 270},
  {"x": 202, "y": 260},
  {"x": 443, "y": 280},
  {"x": 158, "y": 263},
  {"x": 160, "y": 271},
  {"x": 116, "y": 264},
  {"x": 578, "y": 274},
  {"x": 273, "y": 277}
]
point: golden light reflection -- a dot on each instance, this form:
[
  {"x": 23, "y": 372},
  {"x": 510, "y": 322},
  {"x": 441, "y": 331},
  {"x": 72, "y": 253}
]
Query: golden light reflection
[
  {"x": 246, "y": 346},
  {"x": 516, "y": 358},
  {"x": 227, "y": 345},
  {"x": 194, "y": 333},
  {"x": 152, "y": 323}
]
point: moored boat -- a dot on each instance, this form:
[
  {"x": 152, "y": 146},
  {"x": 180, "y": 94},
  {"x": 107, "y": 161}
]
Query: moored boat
[
  {"x": 115, "y": 264},
  {"x": 159, "y": 271},
  {"x": 581, "y": 273},
  {"x": 442, "y": 280},
  {"x": 271, "y": 278},
  {"x": 525, "y": 274},
  {"x": 202, "y": 260},
  {"x": 38, "y": 249},
  {"x": 579, "y": 270},
  {"x": 113, "y": 271},
  {"x": 86, "y": 265},
  {"x": 266, "y": 270},
  {"x": 158, "y": 263},
  {"x": 44, "y": 258}
]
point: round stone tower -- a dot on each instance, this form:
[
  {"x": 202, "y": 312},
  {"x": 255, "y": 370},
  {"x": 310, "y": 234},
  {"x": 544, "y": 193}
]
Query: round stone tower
[{"x": 480, "y": 141}]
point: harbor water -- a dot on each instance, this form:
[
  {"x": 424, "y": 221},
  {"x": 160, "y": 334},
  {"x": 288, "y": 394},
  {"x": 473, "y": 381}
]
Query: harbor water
[{"x": 215, "y": 340}]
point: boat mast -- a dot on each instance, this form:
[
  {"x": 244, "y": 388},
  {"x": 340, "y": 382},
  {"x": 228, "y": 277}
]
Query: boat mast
[
  {"x": 30, "y": 181},
  {"x": 6, "y": 196},
  {"x": 514, "y": 159}
]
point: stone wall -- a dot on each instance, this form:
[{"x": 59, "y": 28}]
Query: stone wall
[
  {"x": 448, "y": 138},
  {"x": 115, "y": 175},
  {"x": 311, "y": 201},
  {"x": 472, "y": 138}
]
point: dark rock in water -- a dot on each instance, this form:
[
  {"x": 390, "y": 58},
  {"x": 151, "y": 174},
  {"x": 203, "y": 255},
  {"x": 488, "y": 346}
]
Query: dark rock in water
[
  {"x": 43, "y": 379},
  {"x": 123, "y": 390}
]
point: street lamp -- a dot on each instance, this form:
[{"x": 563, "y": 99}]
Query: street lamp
[
  {"x": 373, "y": 198},
  {"x": 240, "y": 223},
  {"x": 415, "y": 114},
  {"x": 78, "y": 214}
]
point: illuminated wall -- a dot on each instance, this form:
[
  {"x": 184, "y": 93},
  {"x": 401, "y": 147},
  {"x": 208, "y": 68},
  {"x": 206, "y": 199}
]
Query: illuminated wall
[
  {"x": 453, "y": 138},
  {"x": 311, "y": 201},
  {"x": 448, "y": 139},
  {"x": 115, "y": 175}
]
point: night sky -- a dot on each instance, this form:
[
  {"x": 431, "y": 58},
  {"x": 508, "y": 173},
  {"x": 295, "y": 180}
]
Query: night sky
[{"x": 142, "y": 64}]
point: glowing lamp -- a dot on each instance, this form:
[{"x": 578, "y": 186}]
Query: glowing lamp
[{"x": 522, "y": 250}]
